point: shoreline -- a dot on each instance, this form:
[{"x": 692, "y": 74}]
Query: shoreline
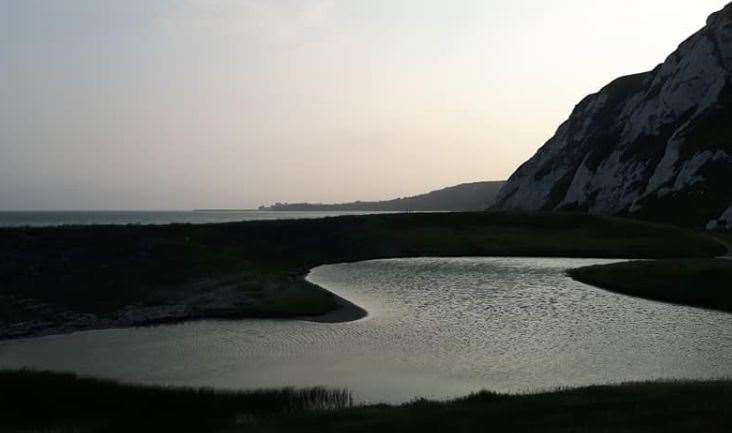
[
  {"x": 668, "y": 281},
  {"x": 345, "y": 312},
  {"x": 62, "y": 280}
]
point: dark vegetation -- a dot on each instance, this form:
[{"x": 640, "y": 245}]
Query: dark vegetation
[
  {"x": 38, "y": 401},
  {"x": 726, "y": 239},
  {"x": 464, "y": 197},
  {"x": 699, "y": 282},
  {"x": 640, "y": 407},
  {"x": 51, "y": 276},
  {"x": 65, "y": 403}
]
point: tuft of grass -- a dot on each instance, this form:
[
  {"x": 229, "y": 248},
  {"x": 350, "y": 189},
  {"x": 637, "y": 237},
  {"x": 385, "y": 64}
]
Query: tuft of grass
[{"x": 703, "y": 283}]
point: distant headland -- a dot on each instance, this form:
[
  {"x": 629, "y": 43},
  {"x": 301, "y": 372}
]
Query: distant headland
[{"x": 463, "y": 197}]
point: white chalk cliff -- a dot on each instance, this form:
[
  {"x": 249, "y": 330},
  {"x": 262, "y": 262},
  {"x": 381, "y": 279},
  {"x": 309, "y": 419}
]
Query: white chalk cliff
[{"x": 655, "y": 145}]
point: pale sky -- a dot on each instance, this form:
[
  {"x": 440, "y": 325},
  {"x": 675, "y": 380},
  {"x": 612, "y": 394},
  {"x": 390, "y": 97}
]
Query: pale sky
[{"x": 162, "y": 104}]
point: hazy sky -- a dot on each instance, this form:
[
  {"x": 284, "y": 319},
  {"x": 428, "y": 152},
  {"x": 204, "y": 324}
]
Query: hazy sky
[{"x": 163, "y": 104}]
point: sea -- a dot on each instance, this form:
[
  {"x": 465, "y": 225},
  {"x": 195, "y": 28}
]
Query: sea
[{"x": 65, "y": 218}]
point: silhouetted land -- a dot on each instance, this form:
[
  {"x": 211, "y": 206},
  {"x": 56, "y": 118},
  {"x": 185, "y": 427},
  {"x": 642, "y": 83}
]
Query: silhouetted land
[
  {"x": 62, "y": 402},
  {"x": 699, "y": 282},
  {"x": 62, "y": 279},
  {"x": 464, "y": 197}
]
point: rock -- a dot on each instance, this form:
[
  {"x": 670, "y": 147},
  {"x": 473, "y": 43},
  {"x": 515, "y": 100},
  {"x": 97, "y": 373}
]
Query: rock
[{"x": 655, "y": 145}]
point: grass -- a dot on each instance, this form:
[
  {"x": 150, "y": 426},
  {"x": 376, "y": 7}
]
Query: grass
[
  {"x": 699, "y": 282},
  {"x": 639, "y": 407},
  {"x": 31, "y": 401},
  {"x": 43, "y": 401},
  {"x": 50, "y": 275}
]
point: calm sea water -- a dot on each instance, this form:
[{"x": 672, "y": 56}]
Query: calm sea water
[
  {"x": 437, "y": 328},
  {"x": 57, "y": 218}
]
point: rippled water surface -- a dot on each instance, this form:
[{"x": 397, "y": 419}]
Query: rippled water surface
[{"x": 437, "y": 328}]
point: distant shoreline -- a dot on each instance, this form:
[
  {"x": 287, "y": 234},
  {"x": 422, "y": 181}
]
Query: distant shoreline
[
  {"x": 225, "y": 210},
  {"x": 473, "y": 196},
  {"x": 158, "y": 218}
]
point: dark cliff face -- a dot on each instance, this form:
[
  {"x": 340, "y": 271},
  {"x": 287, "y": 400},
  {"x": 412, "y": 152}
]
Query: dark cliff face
[{"x": 656, "y": 145}]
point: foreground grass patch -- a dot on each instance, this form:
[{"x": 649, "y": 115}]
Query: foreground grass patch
[
  {"x": 641, "y": 407},
  {"x": 698, "y": 282},
  {"x": 37, "y": 401},
  {"x": 59, "y": 402}
]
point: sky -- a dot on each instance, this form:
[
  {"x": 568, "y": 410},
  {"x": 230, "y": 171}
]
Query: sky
[{"x": 182, "y": 104}]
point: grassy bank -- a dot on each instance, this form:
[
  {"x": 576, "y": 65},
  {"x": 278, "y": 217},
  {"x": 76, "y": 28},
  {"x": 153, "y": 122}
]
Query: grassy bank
[
  {"x": 36, "y": 401},
  {"x": 699, "y": 282},
  {"x": 55, "y": 402},
  {"x": 68, "y": 278}
]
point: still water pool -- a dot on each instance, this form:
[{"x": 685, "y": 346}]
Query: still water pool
[{"x": 436, "y": 328}]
